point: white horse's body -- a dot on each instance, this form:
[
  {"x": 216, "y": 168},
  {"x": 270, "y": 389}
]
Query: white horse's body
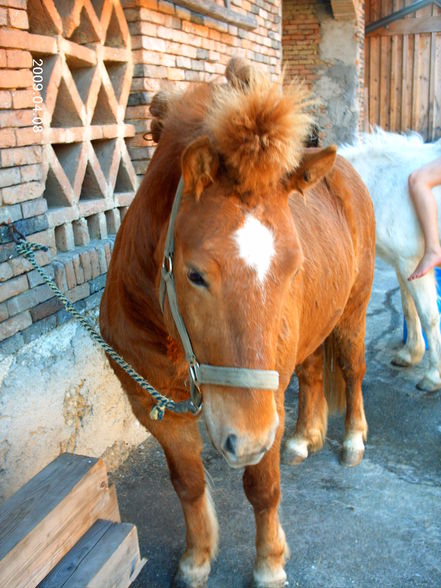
[{"x": 384, "y": 161}]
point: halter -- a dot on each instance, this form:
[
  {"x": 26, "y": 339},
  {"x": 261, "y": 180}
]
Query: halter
[{"x": 203, "y": 373}]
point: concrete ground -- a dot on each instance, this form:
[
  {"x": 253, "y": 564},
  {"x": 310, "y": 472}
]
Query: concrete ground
[{"x": 378, "y": 524}]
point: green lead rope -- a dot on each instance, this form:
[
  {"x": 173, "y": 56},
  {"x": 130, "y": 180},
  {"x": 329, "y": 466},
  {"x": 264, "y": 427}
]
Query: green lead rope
[{"x": 27, "y": 249}]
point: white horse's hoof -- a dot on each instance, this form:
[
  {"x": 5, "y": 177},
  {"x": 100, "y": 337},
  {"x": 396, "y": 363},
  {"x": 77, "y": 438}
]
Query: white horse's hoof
[
  {"x": 403, "y": 358},
  {"x": 295, "y": 451},
  {"x": 430, "y": 383}
]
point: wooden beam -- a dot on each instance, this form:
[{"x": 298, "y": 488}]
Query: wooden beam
[
  {"x": 222, "y": 13},
  {"x": 399, "y": 14},
  {"x": 409, "y": 26},
  {"x": 344, "y": 9},
  {"x": 107, "y": 555}
]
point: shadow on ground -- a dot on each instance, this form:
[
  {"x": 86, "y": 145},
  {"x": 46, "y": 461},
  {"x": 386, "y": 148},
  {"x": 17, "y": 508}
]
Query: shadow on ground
[{"x": 375, "y": 525}]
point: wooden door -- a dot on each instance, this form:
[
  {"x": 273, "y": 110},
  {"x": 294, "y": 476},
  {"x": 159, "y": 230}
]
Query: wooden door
[{"x": 403, "y": 66}]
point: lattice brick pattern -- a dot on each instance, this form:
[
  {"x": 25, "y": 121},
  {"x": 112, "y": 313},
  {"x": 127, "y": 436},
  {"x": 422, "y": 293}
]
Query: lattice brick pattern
[{"x": 87, "y": 72}]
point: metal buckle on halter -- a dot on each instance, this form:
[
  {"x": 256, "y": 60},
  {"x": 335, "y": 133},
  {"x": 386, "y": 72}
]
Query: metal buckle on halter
[
  {"x": 167, "y": 265},
  {"x": 195, "y": 401},
  {"x": 193, "y": 370}
]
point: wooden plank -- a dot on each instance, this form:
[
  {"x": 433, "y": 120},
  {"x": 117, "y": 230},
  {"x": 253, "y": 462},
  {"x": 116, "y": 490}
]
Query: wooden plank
[
  {"x": 111, "y": 508},
  {"x": 210, "y": 8},
  {"x": 404, "y": 83},
  {"x": 46, "y": 517},
  {"x": 343, "y": 9},
  {"x": 415, "y": 86},
  {"x": 384, "y": 82},
  {"x": 393, "y": 85},
  {"x": 107, "y": 556},
  {"x": 374, "y": 82},
  {"x": 437, "y": 90},
  {"x": 432, "y": 74},
  {"x": 409, "y": 26},
  {"x": 70, "y": 562},
  {"x": 423, "y": 82}
]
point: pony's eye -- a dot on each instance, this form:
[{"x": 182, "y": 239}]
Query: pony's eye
[{"x": 196, "y": 278}]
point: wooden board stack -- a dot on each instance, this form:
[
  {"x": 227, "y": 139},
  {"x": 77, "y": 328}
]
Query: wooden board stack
[{"x": 63, "y": 529}]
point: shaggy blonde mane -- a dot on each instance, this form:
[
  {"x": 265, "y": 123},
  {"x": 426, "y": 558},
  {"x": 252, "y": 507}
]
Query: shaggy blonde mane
[
  {"x": 256, "y": 125},
  {"x": 259, "y": 128}
]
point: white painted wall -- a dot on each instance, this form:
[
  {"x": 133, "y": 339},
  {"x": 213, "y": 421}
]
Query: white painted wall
[{"x": 59, "y": 394}]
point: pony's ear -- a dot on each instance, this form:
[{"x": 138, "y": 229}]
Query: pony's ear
[
  {"x": 199, "y": 166},
  {"x": 314, "y": 165}
]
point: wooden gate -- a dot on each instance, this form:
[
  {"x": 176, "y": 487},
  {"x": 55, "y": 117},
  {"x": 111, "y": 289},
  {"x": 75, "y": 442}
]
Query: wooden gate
[{"x": 403, "y": 65}]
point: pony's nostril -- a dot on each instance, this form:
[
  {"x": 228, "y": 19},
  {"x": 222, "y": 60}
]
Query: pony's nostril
[{"x": 230, "y": 444}]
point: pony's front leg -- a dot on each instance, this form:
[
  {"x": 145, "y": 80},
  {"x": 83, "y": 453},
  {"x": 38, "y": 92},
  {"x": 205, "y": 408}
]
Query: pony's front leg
[
  {"x": 262, "y": 487},
  {"x": 312, "y": 420},
  {"x": 182, "y": 445}
]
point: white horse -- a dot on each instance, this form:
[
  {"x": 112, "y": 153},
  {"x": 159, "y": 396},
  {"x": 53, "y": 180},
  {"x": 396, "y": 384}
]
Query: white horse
[{"x": 384, "y": 161}]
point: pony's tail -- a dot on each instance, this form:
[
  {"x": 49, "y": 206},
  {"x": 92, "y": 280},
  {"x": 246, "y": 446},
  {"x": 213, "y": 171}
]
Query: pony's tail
[{"x": 333, "y": 381}]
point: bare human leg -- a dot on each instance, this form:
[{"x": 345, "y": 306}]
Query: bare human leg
[{"x": 421, "y": 183}]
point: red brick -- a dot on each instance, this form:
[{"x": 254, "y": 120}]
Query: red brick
[
  {"x": 5, "y": 99},
  {"x": 9, "y": 176},
  {"x": 7, "y": 138},
  {"x": 16, "y": 39},
  {"x": 23, "y": 99},
  {"x": 14, "y": 3},
  {"x": 27, "y": 136},
  {"x": 18, "y": 18},
  {"x": 78, "y": 293},
  {"x": 3, "y": 312},
  {"x": 5, "y": 272},
  {"x": 20, "y": 78},
  {"x": 13, "y": 287},
  {"x": 17, "y": 59},
  {"x": 3, "y": 17},
  {"x": 14, "y": 325},
  {"x": 34, "y": 207},
  {"x": 22, "y": 192},
  {"x": 3, "y": 59},
  {"x": 15, "y": 118},
  {"x": 20, "y": 156}
]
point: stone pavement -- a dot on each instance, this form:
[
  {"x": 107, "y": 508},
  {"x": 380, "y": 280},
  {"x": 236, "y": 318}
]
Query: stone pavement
[{"x": 378, "y": 524}]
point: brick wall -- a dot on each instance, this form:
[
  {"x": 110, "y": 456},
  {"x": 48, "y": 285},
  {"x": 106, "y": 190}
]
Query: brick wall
[
  {"x": 66, "y": 180},
  {"x": 301, "y": 39},
  {"x": 329, "y": 55},
  {"x": 173, "y": 46}
]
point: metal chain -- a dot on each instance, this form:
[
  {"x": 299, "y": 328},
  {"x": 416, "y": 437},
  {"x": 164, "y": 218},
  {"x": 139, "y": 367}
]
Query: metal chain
[{"x": 27, "y": 249}]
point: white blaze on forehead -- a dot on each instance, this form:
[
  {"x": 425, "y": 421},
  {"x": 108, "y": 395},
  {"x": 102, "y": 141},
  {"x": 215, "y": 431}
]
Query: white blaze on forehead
[{"x": 256, "y": 245}]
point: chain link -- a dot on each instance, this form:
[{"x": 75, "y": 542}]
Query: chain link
[{"x": 28, "y": 249}]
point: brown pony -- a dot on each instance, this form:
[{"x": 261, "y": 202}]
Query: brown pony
[{"x": 274, "y": 255}]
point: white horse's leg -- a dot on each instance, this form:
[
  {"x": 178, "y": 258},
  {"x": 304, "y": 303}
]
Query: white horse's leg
[
  {"x": 423, "y": 292},
  {"x": 412, "y": 351}
]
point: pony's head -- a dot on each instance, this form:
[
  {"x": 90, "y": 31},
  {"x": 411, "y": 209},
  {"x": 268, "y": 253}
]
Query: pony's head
[{"x": 237, "y": 251}]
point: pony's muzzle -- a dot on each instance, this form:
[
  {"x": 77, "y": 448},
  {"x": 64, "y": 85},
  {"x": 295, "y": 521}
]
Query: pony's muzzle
[{"x": 240, "y": 451}]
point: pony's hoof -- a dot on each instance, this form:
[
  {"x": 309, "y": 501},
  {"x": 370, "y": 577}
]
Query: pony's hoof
[
  {"x": 190, "y": 576},
  {"x": 266, "y": 579},
  {"x": 404, "y": 358},
  {"x": 353, "y": 449},
  {"x": 428, "y": 384},
  {"x": 180, "y": 582},
  {"x": 296, "y": 451},
  {"x": 351, "y": 457}
]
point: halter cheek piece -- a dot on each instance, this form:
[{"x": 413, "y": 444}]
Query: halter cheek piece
[{"x": 203, "y": 373}]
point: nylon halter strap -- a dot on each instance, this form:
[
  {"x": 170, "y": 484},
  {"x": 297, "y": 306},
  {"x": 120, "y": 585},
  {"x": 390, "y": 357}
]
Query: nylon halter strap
[{"x": 203, "y": 373}]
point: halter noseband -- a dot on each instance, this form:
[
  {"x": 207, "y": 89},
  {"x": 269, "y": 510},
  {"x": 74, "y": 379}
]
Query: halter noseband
[{"x": 203, "y": 373}]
